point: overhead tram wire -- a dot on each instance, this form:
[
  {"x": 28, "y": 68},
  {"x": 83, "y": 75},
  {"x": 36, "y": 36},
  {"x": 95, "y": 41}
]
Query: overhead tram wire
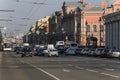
[
  {"x": 7, "y": 10},
  {"x": 30, "y": 11},
  {"x": 37, "y": 9}
]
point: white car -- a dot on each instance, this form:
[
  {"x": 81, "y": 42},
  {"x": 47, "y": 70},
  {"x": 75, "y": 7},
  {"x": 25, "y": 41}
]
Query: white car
[
  {"x": 114, "y": 53},
  {"x": 51, "y": 52}
]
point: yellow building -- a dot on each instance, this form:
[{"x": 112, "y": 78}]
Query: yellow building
[{"x": 43, "y": 23}]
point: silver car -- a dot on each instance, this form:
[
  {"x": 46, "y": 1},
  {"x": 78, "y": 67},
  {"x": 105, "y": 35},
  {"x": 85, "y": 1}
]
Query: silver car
[{"x": 113, "y": 53}]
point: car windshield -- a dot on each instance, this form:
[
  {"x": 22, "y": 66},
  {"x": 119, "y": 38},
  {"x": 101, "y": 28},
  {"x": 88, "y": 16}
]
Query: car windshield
[
  {"x": 92, "y": 49},
  {"x": 100, "y": 49},
  {"x": 114, "y": 50}
]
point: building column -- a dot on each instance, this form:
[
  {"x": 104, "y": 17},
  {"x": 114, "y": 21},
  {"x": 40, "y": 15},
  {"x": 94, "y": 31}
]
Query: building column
[
  {"x": 107, "y": 30},
  {"x": 111, "y": 35},
  {"x": 115, "y": 35},
  {"x": 117, "y": 38},
  {"x": 119, "y": 34}
]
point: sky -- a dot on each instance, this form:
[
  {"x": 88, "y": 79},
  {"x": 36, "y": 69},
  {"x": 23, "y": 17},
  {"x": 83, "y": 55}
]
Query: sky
[{"x": 24, "y": 13}]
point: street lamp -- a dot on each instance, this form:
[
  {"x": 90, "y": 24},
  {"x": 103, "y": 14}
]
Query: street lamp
[
  {"x": 86, "y": 33},
  {"x": 37, "y": 36},
  {"x": 46, "y": 41},
  {"x": 62, "y": 29}
]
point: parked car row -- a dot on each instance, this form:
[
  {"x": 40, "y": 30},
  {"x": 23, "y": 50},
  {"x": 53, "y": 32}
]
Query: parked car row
[
  {"x": 50, "y": 50},
  {"x": 98, "y": 52}
]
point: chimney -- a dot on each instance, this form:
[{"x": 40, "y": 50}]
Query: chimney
[{"x": 104, "y": 4}]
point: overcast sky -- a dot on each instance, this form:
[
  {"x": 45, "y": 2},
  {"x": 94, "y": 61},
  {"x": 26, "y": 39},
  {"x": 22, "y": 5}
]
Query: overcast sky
[{"x": 26, "y": 12}]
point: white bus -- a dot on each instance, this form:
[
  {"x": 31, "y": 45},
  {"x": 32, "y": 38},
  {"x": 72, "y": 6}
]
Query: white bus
[{"x": 7, "y": 46}]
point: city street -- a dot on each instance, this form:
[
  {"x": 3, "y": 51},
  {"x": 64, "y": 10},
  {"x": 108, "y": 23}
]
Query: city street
[{"x": 13, "y": 67}]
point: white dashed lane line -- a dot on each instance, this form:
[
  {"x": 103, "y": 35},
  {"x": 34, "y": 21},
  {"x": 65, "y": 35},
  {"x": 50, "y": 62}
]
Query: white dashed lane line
[
  {"x": 109, "y": 69},
  {"x": 40, "y": 69},
  {"x": 90, "y": 70},
  {"x": 114, "y": 76},
  {"x": 102, "y": 73}
]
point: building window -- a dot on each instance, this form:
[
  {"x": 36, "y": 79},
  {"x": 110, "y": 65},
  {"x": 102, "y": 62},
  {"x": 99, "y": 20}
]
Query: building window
[
  {"x": 101, "y": 39},
  {"x": 88, "y": 28},
  {"x": 94, "y": 28},
  {"x": 102, "y": 28}
]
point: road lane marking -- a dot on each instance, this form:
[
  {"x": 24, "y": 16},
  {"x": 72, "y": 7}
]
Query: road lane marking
[
  {"x": 109, "y": 69},
  {"x": 114, "y": 76},
  {"x": 78, "y": 67},
  {"x": 70, "y": 65},
  {"x": 65, "y": 70},
  {"x": 92, "y": 70},
  {"x": 40, "y": 69}
]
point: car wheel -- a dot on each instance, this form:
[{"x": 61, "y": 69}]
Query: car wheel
[
  {"x": 22, "y": 55},
  {"x": 119, "y": 57},
  {"x": 31, "y": 55},
  {"x": 49, "y": 55},
  {"x": 57, "y": 55}
]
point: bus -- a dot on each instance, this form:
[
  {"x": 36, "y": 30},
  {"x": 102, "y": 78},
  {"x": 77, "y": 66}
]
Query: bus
[{"x": 7, "y": 46}]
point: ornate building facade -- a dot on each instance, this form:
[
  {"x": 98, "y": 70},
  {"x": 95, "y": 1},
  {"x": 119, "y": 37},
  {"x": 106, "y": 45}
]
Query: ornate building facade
[{"x": 82, "y": 21}]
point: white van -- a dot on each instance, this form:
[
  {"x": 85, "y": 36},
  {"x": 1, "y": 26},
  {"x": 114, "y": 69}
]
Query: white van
[{"x": 50, "y": 51}]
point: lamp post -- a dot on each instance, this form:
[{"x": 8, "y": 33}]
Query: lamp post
[
  {"x": 53, "y": 39},
  {"x": 62, "y": 29},
  {"x": 46, "y": 37},
  {"x": 37, "y": 36},
  {"x": 86, "y": 33}
]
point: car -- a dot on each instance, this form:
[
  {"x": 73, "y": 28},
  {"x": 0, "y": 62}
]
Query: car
[
  {"x": 72, "y": 46},
  {"x": 98, "y": 52},
  {"x": 18, "y": 50},
  {"x": 61, "y": 49},
  {"x": 85, "y": 51},
  {"x": 78, "y": 51},
  {"x": 104, "y": 53},
  {"x": 114, "y": 53},
  {"x": 51, "y": 52},
  {"x": 92, "y": 52},
  {"x": 39, "y": 52},
  {"x": 70, "y": 51},
  {"x": 26, "y": 51}
]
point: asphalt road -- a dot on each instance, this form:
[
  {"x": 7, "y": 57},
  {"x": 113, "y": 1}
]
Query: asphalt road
[{"x": 13, "y": 67}]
